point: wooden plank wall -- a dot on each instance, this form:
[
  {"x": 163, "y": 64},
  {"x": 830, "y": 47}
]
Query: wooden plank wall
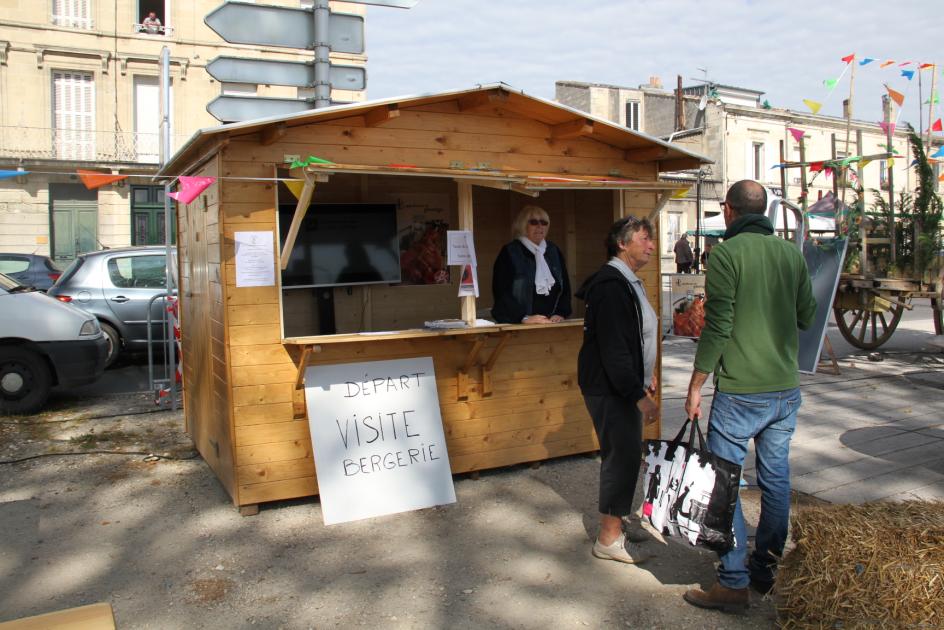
[{"x": 203, "y": 330}]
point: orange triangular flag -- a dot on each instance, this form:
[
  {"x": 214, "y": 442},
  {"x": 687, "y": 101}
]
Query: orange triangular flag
[
  {"x": 898, "y": 97},
  {"x": 887, "y": 63},
  {"x": 94, "y": 179},
  {"x": 925, "y": 65},
  {"x": 813, "y": 105}
]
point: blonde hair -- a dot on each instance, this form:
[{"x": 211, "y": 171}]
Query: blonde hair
[{"x": 520, "y": 225}]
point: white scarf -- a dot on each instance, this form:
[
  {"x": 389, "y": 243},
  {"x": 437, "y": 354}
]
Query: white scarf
[{"x": 543, "y": 280}]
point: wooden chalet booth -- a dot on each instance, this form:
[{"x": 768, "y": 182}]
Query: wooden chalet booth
[{"x": 465, "y": 160}]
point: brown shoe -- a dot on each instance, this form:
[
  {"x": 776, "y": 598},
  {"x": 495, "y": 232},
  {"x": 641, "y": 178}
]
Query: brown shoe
[{"x": 719, "y": 597}]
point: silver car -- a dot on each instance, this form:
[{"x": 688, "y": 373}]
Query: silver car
[{"x": 116, "y": 285}]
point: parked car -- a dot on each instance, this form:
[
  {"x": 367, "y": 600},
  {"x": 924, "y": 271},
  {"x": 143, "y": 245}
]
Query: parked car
[
  {"x": 116, "y": 286},
  {"x": 30, "y": 270},
  {"x": 43, "y": 343}
]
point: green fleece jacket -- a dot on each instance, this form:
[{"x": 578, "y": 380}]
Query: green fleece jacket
[{"x": 759, "y": 294}]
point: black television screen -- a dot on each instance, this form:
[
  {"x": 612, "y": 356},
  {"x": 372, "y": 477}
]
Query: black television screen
[{"x": 341, "y": 244}]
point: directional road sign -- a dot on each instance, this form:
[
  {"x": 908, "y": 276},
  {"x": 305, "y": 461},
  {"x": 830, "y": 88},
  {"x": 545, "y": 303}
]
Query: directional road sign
[
  {"x": 286, "y": 27},
  {"x": 291, "y": 73},
  {"x": 235, "y": 108}
]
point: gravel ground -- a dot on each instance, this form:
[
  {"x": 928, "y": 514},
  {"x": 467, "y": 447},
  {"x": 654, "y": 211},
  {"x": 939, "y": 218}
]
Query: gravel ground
[{"x": 158, "y": 538}]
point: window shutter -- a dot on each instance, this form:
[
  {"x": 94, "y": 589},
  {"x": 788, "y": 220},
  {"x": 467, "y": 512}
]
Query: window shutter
[{"x": 74, "y": 115}]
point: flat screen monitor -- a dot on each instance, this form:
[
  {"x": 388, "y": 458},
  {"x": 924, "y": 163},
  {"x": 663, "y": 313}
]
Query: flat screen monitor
[{"x": 342, "y": 244}]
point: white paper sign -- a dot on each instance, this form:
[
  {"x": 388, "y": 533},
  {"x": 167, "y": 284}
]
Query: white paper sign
[
  {"x": 460, "y": 248},
  {"x": 255, "y": 259},
  {"x": 469, "y": 281},
  {"x": 378, "y": 439}
]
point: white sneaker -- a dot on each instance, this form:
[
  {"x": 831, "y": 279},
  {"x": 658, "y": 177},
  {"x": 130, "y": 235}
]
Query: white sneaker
[{"x": 620, "y": 551}]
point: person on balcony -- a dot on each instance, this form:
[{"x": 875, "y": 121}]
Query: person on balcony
[{"x": 152, "y": 24}]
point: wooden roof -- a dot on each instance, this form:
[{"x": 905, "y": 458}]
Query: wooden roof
[{"x": 563, "y": 121}]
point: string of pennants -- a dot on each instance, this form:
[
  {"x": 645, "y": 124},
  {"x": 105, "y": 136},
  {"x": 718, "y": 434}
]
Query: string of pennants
[{"x": 906, "y": 69}]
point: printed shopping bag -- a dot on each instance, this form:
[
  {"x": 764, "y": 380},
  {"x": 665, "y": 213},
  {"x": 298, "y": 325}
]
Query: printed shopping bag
[
  {"x": 665, "y": 464},
  {"x": 704, "y": 506}
]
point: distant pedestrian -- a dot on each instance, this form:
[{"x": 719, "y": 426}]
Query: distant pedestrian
[
  {"x": 683, "y": 255},
  {"x": 616, "y": 374},
  {"x": 759, "y": 292}
]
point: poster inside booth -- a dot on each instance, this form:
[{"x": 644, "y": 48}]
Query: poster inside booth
[
  {"x": 686, "y": 304},
  {"x": 378, "y": 439}
]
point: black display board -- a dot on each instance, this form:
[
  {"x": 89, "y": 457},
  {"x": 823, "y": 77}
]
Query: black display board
[{"x": 824, "y": 258}]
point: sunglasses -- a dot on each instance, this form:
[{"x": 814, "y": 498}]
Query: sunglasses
[{"x": 543, "y": 222}]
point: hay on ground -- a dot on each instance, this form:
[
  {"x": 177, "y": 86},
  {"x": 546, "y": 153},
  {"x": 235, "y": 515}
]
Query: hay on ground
[{"x": 877, "y": 565}]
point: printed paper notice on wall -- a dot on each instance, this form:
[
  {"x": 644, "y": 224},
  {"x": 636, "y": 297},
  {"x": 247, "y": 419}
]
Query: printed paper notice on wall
[
  {"x": 255, "y": 259},
  {"x": 460, "y": 247},
  {"x": 377, "y": 437}
]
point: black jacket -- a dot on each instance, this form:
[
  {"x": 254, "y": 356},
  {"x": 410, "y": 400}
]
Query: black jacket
[
  {"x": 611, "y": 360},
  {"x": 513, "y": 284}
]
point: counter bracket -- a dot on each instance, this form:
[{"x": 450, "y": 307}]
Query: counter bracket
[
  {"x": 490, "y": 363},
  {"x": 303, "y": 363},
  {"x": 462, "y": 378}
]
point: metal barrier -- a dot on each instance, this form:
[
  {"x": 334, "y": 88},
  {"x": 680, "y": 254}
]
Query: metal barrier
[{"x": 168, "y": 385}]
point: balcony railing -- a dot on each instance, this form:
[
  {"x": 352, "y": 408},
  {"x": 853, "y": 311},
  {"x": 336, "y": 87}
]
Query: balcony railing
[
  {"x": 73, "y": 21},
  {"x": 142, "y": 29},
  {"x": 76, "y": 145}
]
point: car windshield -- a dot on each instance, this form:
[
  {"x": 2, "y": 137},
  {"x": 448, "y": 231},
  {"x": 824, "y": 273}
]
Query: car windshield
[{"x": 10, "y": 285}]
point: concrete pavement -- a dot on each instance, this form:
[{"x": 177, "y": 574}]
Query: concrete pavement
[{"x": 875, "y": 431}]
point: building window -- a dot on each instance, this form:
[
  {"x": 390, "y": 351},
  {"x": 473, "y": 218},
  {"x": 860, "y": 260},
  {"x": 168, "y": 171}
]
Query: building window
[
  {"x": 632, "y": 115},
  {"x": 153, "y": 18},
  {"x": 147, "y": 118},
  {"x": 757, "y": 161},
  {"x": 73, "y": 115},
  {"x": 72, "y": 13},
  {"x": 883, "y": 174}
]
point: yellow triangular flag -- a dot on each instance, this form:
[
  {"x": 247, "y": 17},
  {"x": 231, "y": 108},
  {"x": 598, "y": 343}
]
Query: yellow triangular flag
[
  {"x": 295, "y": 185},
  {"x": 863, "y": 163},
  {"x": 891, "y": 162},
  {"x": 680, "y": 193},
  {"x": 813, "y": 105}
]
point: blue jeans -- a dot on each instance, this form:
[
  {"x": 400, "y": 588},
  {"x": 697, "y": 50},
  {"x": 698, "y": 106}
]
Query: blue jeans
[{"x": 770, "y": 419}]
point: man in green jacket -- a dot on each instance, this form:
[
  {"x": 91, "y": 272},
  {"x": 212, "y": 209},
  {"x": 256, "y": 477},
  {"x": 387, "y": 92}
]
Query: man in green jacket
[{"x": 759, "y": 294}]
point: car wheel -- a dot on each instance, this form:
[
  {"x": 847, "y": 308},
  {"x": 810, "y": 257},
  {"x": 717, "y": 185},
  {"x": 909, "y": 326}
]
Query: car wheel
[
  {"x": 114, "y": 343},
  {"x": 25, "y": 380}
]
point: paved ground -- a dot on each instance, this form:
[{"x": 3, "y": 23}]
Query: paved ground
[{"x": 161, "y": 542}]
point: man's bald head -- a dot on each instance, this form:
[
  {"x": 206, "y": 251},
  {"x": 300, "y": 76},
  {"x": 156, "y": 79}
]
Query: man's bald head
[{"x": 747, "y": 197}]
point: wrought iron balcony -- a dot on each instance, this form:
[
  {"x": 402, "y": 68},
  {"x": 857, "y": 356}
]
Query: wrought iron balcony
[{"x": 73, "y": 145}]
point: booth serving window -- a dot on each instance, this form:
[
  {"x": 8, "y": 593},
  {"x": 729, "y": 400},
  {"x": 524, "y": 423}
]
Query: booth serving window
[{"x": 370, "y": 254}]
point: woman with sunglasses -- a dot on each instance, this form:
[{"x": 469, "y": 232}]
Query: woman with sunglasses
[{"x": 529, "y": 280}]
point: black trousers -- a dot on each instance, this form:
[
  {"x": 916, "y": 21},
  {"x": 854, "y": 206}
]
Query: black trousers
[{"x": 618, "y": 424}]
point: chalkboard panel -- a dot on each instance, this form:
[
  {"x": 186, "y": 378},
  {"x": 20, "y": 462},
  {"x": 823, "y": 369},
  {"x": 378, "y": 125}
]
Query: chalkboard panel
[{"x": 824, "y": 258}]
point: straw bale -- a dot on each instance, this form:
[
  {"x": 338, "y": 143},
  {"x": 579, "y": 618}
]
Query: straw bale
[{"x": 876, "y": 565}]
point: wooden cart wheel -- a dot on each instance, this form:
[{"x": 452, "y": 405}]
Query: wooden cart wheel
[{"x": 867, "y": 329}]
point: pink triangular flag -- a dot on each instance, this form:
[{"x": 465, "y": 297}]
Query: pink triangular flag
[
  {"x": 887, "y": 127},
  {"x": 190, "y": 188},
  {"x": 796, "y": 133}
]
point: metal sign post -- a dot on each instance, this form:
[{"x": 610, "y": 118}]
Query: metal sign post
[
  {"x": 165, "y": 153},
  {"x": 316, "y": 29}
]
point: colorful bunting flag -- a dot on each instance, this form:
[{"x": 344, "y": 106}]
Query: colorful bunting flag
[
  {"x": 190, "y": 188},
  {"x": 934, "y": 97},
  {"x": 813, "y": 105},
  {"x": 849, "y": 160},
  {"x": 9, "y": 174},
  {"x": 938, "y": 153},
  {"x": 898, "y": 97},
  {"x": 887, "y": 127},
  {"x": 925, "y": 66},
  {"x": 904, "y": 63},
  {"x": 680, "y": 193},
  {"x": 863, "y": 163},
  {"x": 891, "y": 162},
  {"x": 796, "y": 133},
  {"x": 94, "y": 179},
  {"x": 295, "y": 187},
  {"x": 866, "y": 61},
  {"x": 816, "y": 167},
  {"x": 887, "y": 63},
  {"x": 909, "y": 74},
  {"x": 830, "y": 83},
  {"x": 849, "y": 58},
  {"x": 310, "y": 160},
  {"x": 936, "y": 126}
]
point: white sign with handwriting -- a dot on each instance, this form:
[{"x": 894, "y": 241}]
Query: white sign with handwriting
[{"x": 378, "y": 438}]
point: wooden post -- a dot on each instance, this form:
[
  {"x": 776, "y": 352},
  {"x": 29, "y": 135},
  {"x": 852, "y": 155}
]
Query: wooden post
[
  {"x": 931, "y": 104},
  {"x": 804, "y": 188},
  {"x": 835, "y": 175},
  {"x": 783, "y": 184},
  {"x": 847, "y": 110},
  {"x": 465, "y": 223},
  {"x": 892, "y": 236}
]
